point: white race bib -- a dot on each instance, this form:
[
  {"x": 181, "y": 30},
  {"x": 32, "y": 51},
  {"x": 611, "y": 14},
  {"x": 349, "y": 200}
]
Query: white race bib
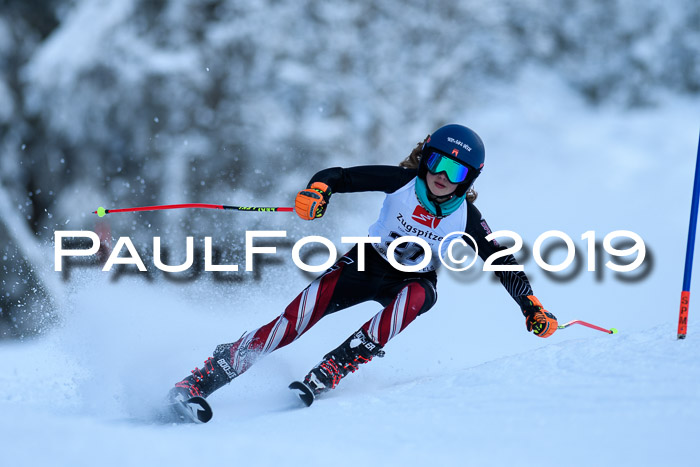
[{"x": 402, "y": 215}]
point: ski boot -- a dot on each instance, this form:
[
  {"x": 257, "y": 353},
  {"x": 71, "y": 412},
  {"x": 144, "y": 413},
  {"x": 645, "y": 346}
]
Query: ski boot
[
  {"x": 336, "y": 364},
  {"x": 187, "y": 398}
]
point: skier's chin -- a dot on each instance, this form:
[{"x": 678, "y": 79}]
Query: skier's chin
[{"x": 442, "y": 196}]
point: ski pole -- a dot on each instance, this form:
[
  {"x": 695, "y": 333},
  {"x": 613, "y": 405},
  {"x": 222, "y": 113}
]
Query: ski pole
[
  {"x": 102, "y": 211},
  {"x": 588, "y": 325}
]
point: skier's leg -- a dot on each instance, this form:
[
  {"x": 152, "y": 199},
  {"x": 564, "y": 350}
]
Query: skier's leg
[
  {"x": 298, "y": 317},
  {"x": 317, "y": 300},
  {"x": 416, "y": 297}
]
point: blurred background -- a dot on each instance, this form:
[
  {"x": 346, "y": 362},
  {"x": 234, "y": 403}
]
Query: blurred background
[{"x": 589, "y": 111}]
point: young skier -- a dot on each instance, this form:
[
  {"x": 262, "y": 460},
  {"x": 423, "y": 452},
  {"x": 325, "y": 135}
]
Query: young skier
[{"x": 429, "y": 195}]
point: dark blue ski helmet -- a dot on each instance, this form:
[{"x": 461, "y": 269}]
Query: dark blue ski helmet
[{"x": 456, "y": 143}]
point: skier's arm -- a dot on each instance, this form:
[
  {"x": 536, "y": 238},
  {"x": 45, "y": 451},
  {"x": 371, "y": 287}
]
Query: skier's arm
[
  {"x": 312, "y": 202},
  {"x": 515, "y": 282},
  {"x": 537, "y": 319},
  {"x": 386, "y": 178}
]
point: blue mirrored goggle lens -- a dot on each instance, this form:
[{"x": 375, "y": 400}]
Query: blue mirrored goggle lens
[{"x": 456, "y": 172}]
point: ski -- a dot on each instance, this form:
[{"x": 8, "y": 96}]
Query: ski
[
  {"x": 305, "y": 393},
  {"x": 192, "y": 410}
]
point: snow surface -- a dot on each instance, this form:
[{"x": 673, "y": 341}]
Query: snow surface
[
  {"x": 463, "y": 385},
  {"x": 580, "y": 398}
]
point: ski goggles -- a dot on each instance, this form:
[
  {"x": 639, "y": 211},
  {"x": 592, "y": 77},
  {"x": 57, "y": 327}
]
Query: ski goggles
[{"x": 455, "y": 172}]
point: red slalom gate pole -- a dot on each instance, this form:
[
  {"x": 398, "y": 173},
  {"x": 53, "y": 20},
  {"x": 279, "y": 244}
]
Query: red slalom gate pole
[
  {"x": 102, "y": 211},
  {"x": 685, "y": 293},
  {"x": 588, "y": 325}
]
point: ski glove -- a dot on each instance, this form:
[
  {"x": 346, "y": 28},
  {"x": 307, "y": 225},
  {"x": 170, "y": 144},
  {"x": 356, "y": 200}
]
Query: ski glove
[
  {"x": 311, "y": 203},
  {"x": 537, "y": 319}
]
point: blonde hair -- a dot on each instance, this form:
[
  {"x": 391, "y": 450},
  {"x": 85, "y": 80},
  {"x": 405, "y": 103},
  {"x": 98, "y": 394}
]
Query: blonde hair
[{"x": 413, "y": 161}]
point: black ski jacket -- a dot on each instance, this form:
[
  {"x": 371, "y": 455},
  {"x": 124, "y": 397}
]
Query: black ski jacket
[{"x": 387, "y": 179}]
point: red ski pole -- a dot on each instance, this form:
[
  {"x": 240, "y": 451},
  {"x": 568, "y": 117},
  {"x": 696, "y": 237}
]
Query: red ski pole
[
  {"x": 102, "y": 211},
  {"x": 588, "y": 325}
]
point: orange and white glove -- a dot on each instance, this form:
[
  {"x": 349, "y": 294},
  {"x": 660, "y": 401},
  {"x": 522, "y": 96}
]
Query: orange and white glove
[
  {"x": 311, "y": 203},
  {"x": 538, "y": 320}
]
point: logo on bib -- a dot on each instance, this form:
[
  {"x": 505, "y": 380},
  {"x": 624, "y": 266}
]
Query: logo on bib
[{"x": 423, "y": 217}]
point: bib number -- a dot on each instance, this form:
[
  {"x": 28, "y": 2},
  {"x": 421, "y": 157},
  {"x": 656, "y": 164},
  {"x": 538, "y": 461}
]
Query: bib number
[{"x": 408, "y": 254}]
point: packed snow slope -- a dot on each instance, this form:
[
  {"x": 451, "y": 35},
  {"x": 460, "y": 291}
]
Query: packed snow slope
[{"x": 83, "y": 394}]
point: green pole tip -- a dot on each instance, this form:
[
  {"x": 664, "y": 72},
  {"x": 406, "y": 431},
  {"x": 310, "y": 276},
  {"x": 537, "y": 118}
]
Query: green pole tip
[
  {"x": 101, "y": 211},
  {"x": 613, "y": 331}
]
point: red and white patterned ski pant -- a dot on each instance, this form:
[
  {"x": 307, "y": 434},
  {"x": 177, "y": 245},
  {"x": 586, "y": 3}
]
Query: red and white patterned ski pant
[{"x": 403, "y": 295}]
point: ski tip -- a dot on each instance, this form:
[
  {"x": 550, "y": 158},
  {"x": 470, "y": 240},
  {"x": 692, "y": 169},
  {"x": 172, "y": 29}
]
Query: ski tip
[
  {"x": 305, "y": 393},
  {"x": 192, "y": 410},
  {"x": 203, "y": 409}
]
